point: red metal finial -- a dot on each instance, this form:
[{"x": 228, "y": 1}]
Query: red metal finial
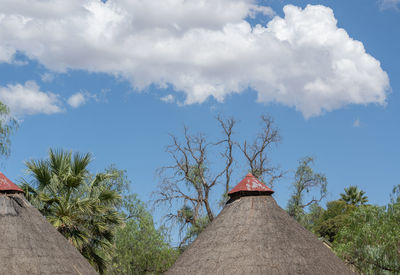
[
  {"x": 7, "y": 185},
  {"x": 251, "y": 184}
]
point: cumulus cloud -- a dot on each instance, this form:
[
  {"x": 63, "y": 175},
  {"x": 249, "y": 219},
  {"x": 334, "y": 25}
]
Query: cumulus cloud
[
  {"x": 357, "y": 123},
  {"x": 168, "y": 98},
  {"x": 389, "y": 4},
  {"x": 47, "y": 77},
  {"x": 27, "y": 99},
  {"x": 203, "y": 48},
  {"x": 77, "y": 100}
]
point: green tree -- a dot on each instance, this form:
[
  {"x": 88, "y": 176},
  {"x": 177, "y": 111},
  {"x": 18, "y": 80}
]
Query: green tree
[
  {"x": 333, "y": 219},
  {"x": 8, "y": 125},
  {"x": 353, "y": 195},
  {"x": 310, "y": 218},
  {"x": 81, "y": 206},
  {"x": 194, "y": 229},
  {"x": 305, "y": 181},
  {"x": 370, "y": 239},
  {"x": 139, "y": 247}
]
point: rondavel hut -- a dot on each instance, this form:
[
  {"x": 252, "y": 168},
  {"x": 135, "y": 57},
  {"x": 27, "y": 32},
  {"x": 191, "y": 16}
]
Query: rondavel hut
[
  {"x": 253, "y": 235},
  {"x": 29, "y": 244}
]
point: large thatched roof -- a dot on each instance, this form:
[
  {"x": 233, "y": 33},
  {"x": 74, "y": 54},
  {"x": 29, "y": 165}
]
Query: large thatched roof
[
  {"x": 253, "y": 235},
  {"x": 31, "y": 245}
]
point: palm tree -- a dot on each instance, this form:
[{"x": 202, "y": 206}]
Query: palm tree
[
  {"x": 354, "y": 196},
  {"x": 78, "y": 204}
]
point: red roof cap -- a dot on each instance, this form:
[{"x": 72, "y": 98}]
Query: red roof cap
[
  {"x": 8, "y": 185},
  {"x": 251, "y": 184}
]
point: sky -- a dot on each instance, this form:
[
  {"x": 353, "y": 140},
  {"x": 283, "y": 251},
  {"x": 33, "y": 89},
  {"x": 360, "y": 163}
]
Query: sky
[{"x": 115, "y": 78}]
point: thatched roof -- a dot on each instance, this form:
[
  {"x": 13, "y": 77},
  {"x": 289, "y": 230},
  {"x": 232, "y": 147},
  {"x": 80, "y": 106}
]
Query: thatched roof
[
  {"x": 31, "y": 245},
  {"x": 253, "y": 235}
]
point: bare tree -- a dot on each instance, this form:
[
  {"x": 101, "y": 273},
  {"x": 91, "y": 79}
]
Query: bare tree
[
  {"x": 186, "y": 185},
  {"x": 190, "y": 180},
  {"x": 256, "y": 153},
  {"x": 227, "y": 127}
]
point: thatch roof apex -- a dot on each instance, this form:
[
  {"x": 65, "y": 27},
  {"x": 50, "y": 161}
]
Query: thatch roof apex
[
  {"x": 7, "y": 185},
  {"x": 29, "y": 244}
]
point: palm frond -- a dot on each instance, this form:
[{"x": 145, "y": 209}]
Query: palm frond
[
  {"x": 107, "y": 196},
  {"x": 40, "y": 172},
  {"x": 59, "y": 162},
  {"x": 101, "y": 177},
  {"x": 80, "y": 163}
]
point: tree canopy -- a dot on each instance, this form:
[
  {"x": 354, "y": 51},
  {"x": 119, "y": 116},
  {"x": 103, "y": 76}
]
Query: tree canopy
[
  {"x": 306, "y": 181},
  {"x": 353, "y": 195},
  {"x": 97, "y": 213},
  {"x": 370, "y": 239},
  {"x": 8, "y": 125},
  {"x": 139, "y": 247},
  {"x": 79, "y": 205}
]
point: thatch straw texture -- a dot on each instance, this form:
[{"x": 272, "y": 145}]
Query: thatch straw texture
[
  {"x": 253, "y": 235},
  {"x": 31, "y": 245}
]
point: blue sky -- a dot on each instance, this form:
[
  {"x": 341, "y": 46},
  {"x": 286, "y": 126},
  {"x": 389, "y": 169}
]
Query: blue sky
[{"x": 115, "y": 78}]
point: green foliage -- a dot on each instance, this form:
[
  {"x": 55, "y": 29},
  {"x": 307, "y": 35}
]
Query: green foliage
[
  {"x": 119, "y": 182},
  {"x": 395, "y": 196},
  {"x": 194, "y": 230},
  {"x": 90, "y": 210},
  {"x": 81, "y": 206},
  {"x": 366, "y": 236},
  {"x": 337, "y": 214},
  {"x": 185, "y": 215},
  {"x": 223, "y": 200},
  {"x": 370, "y": 239},
  {"x": 331, "y": 220},
  {"x": 139, "y": 247},
  {"x": 306, "y": 180},
  {"x": 8, "y": 125},
  {"x": 194, "y": 225},
  {"x": 354, "y": 196},
  {"x": 310, "y": 218}
]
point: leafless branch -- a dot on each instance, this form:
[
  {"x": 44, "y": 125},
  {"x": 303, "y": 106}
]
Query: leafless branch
[
  {"x": 256, "y": 153},
  {"x": 227, "y": 127}
]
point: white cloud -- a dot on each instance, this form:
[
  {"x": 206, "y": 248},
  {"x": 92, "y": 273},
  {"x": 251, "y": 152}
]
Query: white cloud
[
  {"x": 200, "y": 47},
  {"x": 389, "y": 4},
  {"x": 168, "y": 98},
  {"x": 19, "y": 62},
  {"x": 77, "y": 100},
  {"x": 261, "y": 9},
  {"x": 47, "y": 77},
  {"x": 357, "y": 123},
  {"x": 27, "y": 99}
]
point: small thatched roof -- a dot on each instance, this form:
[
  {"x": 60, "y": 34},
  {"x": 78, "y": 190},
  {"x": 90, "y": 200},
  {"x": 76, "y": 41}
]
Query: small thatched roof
[
  {"x": 29, "y": 244},
  {"x": 253, "y": 235}
]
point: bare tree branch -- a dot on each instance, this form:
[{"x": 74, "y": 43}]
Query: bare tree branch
[
  {"x": 227, "y": 127},
  {"x": 256, "y": 154}
]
